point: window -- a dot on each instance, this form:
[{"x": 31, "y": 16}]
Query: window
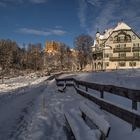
[
  {"x": 122, "y": 64},
  {"x": 107, "y": 64},
  {"x": 132, "y": 64},
  {"x": 116, "y": 38},
  {"x": 136, "y": 54},
  {"x": 117, "y": 46},
  {"x": 122, "y": 37},
  {"x": 128, "y": 38},
  {"x": 122, "y": 45},
  {"x": 106, "y": 55},
  {"x": 136, "y": 45},
  {"x": 122, "y": 55}
]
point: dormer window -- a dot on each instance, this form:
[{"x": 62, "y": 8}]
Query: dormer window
[{"x": 122, "y": 37}]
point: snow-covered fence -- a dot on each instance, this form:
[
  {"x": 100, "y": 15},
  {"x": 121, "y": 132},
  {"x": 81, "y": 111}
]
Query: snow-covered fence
[
  {"x": 54, "y": 75},
  {"x": 61, "y": 82},
  {"x": 131, "y": 94},
  {"x": 80, "y": 129},
  {"x": 128, "y": 115},
  {"x": 97, "y": 119},
  {"x": 62, "y": 89}
]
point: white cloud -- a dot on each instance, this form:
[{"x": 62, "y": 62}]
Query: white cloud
[
  {"x": 40, "y": 32},
  {"x": 57, "y": 32},
  {"x": 106, "y": 14},
  {"x": 82, "y": 12},
  {"x": 83, "y": 8},
  {"x": 5, "y": 2},
  {"x": 94, "y": 2},
  {"x": 33, "y": 31}
]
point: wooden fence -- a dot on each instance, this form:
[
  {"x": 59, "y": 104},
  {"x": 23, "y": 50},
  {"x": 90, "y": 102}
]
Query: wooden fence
[{"x": 129, "y": 116}]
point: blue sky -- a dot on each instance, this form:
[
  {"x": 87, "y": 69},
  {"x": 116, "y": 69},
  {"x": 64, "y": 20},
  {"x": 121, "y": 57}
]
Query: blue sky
[{"x": 33, "y": 21}]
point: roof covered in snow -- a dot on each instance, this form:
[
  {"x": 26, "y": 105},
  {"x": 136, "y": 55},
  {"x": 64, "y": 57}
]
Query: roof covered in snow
[
  {"x": 122, "y": 25},
  {"x": 107, "y": 33}
]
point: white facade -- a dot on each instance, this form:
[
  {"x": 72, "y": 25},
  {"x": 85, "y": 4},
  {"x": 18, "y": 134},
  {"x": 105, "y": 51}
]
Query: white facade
[{"x": 117, "y": 48}]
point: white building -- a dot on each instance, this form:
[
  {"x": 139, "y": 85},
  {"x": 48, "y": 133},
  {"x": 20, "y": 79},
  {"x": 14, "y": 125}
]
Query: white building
[{"x": 117, "y": 48}]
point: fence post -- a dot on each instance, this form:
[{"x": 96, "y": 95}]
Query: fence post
[
  {"x": 83, "y": 116},
  {"x": 77, "y": 85},
  {"x": 102, "y": 94},
  {"x": 134, "y": 106},
  {"x": 134, "y": 123},
  {"x": 86, "y": 88}
]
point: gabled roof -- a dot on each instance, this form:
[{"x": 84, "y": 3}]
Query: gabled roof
[
  {"x": 122, "y": 26},
  {"x": 107, "y": 33}
]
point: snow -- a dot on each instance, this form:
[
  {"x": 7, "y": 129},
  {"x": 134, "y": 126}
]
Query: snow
[
  {"x": 16, "y": 113},
  {"x": 100, "y": 121},
  {"x": 37, "y": 112},
  {"x": 122, "y": 78},
  {"x": 80, "y": 129},
  {"x": 122, "y": 25},
  {"x": 106, "y": 34},
  {"x": 21, "y": 81}
]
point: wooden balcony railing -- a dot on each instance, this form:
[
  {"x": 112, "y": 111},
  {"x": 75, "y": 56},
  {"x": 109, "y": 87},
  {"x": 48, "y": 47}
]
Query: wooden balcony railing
[
  {"x": 121, "y": 41},
  {"x": 127, "y": 49},
  {"x": 98, "y": 52},
  {"x": 130, "y": 58},
  {"x": 135, "y": 49}
]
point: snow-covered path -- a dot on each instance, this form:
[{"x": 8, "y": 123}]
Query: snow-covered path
[
  {"x": 37, "y": 113},
  {"x": 16, "y": 112},
  {"x": 49, "y": 122}
]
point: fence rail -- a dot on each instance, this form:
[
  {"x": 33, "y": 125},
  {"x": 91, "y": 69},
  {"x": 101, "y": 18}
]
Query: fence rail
[
  {"x": 125, "y": 114},
  {"x": 129, "y": 116},
  {"x": 132, "y": 94}
]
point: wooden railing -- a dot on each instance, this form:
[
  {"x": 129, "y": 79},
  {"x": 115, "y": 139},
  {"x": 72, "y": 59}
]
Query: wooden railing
[
  {"x": 135, "y": 49},
  {"x": 129, "y": 116},
  {"x": 128, "y": 58},
  {"x": 127, "y": 49},
  {"x": 122, "y": 41}
]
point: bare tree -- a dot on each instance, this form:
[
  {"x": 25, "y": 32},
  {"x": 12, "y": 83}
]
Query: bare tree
[
  {"x": 34, "y": 57},
  {"x": 7, "y": 48},
  {"x": 83, "y": 45}
]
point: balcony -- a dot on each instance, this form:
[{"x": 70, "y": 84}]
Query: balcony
[
  {"x": 129, "y": 58},
  {"x": 122, "y": 41},
  {"x": 127, "y": 49},
  {"x": 97, "y": 56},
  {"x": 100, "y": 51},
  {"x": 135, "y": 49}
]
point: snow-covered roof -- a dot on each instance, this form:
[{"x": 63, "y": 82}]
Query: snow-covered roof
[
  {"x": 107, "y": 33},
  {"x": 101, "y": 36},
  {"x": 121, "y": 25},
  {"x": 94, "y": 43}
]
